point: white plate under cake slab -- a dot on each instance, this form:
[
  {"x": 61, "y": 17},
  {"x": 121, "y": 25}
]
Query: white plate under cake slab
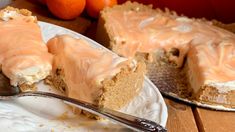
[{"x": 36, "y": 114}]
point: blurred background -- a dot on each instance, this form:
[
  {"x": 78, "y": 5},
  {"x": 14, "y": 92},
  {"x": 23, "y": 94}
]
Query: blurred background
[
  {"x": 222, "y": 10},
  {"x": 4, "y": 3}
]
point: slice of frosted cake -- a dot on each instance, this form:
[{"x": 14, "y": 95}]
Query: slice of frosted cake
[
  {"x": 24, "y": 57},
  {"x": 94, "y": 75},
  {"x": 204, "y": 51}
]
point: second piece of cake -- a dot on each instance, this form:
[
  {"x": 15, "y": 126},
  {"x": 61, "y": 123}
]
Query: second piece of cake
[{"x": 94, "y": 75}]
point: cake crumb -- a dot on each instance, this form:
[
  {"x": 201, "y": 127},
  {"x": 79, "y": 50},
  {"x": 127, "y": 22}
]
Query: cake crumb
[
  {"x": 27, "y": 87},
  {"x": 63, "y": 116}
]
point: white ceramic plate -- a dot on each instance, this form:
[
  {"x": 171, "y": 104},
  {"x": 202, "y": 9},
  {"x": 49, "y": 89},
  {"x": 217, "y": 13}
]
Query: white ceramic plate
[{"x": 28, "y": 114}]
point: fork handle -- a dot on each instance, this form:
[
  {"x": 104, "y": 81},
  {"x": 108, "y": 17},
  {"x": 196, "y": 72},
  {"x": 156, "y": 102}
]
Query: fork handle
[{"x": 132, "y": 122}]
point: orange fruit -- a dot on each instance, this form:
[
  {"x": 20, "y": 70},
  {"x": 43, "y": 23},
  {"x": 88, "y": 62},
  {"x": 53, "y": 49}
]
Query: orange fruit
[
  {"x": 93, "y": 7},
  {"x": 66, "y": 9}
]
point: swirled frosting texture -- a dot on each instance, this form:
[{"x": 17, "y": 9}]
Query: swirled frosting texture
[
  {"x": 84, "y": 67},
  {"x": 23, "y": 55},
  {"x": 210, "y": 50}
]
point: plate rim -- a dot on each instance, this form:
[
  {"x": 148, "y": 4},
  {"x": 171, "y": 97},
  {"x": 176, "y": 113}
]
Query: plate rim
[{"x": 215, "y": 107}]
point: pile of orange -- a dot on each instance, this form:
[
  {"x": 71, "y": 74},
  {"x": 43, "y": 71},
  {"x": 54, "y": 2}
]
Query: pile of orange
[{"x": 70, "y": 9}]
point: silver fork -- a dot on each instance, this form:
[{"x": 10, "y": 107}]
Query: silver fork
[{"x": 7, "y": 92}]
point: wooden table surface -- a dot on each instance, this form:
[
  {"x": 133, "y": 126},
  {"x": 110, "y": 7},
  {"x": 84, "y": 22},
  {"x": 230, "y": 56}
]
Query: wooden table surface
[{"x": 181, "y": 117}]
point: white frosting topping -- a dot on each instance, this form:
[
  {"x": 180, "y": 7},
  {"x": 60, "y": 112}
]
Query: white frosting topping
[
  {"x": 31, "y": 75},
  {"x": 8, "y": 14},
  {"x": 183, "y": 19},
  {"x": 223, "y": 87},
  {"x": 145, "y": 22},
  {"x": 184, "y": 28}
]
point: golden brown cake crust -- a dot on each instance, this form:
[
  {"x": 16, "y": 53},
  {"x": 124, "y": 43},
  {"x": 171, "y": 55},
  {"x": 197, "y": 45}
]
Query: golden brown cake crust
[
  {"x": 27, "y": 87},
  {"x": 121, "y": 89},
  {"x": 211, "y": 95},
  {"x": 57, "y": 81},
  {"x": 116, "y": 92}
]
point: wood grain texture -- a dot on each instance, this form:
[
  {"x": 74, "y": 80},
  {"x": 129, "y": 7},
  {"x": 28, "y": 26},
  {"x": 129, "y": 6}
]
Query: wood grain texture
[
  {"x": 180, "y": 117},
  {"x": 79, "y": 24},
  {"x": 214, "y": 121}
]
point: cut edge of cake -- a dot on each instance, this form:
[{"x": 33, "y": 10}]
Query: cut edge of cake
[
  {"x": 126, "y": 81},
  {"x": 220, "y": 93}
]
